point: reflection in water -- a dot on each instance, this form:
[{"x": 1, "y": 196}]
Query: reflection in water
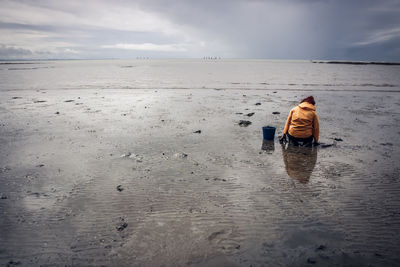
[
  {"x": 268, "y": 145},
  {"x": 299, "y": 161}
]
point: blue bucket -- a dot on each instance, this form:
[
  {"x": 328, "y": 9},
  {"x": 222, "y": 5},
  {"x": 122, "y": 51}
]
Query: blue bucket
[{"x": 268, "y": 132}]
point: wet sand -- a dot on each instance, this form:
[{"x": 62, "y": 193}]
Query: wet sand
[{"x": 170, "y": 178}]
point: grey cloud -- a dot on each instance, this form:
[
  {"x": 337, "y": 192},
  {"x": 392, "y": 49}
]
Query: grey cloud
[
  {"x": 286, "y": 29},
  {"x": 9, "y": 52}
]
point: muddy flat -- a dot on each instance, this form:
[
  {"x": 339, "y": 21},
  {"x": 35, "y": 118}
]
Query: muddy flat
[{"x": 169, "y": 178}]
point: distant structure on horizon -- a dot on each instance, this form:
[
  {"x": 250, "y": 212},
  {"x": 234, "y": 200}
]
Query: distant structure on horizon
[{"x": 211, "y": 58}]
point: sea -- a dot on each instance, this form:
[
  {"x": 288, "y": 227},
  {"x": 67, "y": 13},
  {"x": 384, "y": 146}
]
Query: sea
[{"x": 197, "y": 74}]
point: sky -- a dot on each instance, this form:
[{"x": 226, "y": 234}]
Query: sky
[{"x": 366, "y": 30}]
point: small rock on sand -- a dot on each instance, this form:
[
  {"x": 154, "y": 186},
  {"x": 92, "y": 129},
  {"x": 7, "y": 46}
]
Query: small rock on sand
[
  {"x": 180, "y": 155},
  {"x": 386, "y": 144},
  {"x": 325, "y": 145},
  {"x": 250, "y": 114},
  {"x": 198, "y": 131},
  {"x": 311, "y": 260},
  {"x": 122, "y": 226},
  {"x": 257, "y": 104},
  {"x": 57, "y": 112},
  {"x": 70, "y": 100},
  {"x": 276, "y": 112},
  {"x": 13, "y": 263},
  {"x": 244, "y": 123},
  {"x": 120, "y": 188},
  {"x": 338, "y": 139},
  {"x": 40, "y": 165}
]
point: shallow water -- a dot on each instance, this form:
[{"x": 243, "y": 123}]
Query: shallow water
[
  {"x": 198, "y": 74},
  {"x": 216, "y": 198}
]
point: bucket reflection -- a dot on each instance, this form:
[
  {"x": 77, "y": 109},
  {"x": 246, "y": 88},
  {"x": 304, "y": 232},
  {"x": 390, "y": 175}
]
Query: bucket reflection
[
  {"x": 268, "y": 145},
  {"x": 299, "y": 161}
]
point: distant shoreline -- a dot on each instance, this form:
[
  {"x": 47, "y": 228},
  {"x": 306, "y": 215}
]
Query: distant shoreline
[
  {"x": 41, "y": 61},
  {"x": 356, "y": 62}
]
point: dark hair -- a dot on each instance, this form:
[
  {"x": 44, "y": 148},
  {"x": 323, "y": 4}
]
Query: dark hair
[{"x": 309, "y": 99}]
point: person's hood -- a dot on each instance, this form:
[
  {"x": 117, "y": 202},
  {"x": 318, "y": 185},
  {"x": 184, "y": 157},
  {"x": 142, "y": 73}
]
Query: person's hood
[{"x": 306, "y": 105}]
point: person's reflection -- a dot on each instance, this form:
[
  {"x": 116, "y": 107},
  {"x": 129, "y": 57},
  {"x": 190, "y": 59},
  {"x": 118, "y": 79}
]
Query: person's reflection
[{"x": 299, "y": 161}]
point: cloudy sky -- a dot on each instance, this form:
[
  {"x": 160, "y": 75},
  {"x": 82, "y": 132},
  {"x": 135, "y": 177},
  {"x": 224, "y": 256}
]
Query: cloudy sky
[{"x": 271, "y": 29}]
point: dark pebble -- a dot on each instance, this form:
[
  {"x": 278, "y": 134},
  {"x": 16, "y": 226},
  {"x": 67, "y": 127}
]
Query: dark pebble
[
  {"x": 3, "y": 197},
  {"x": 276, "y": 112},
  {"x": 237, "y": 247},
  {"x": 257, "y": 104},
  {"x": 16, "y": 97},
  {"x": 250, "y": 114},
  {"x": 119, "y": 188},
  {"x": 39, "y": 101},
  {"x": 244, "y": 123},
  {"x": 70, "y": 100},
  {"x": 386, "y": 144},
  {"x": 122, "y": 227},
  {"x": 57, "y": 112},
  {"x": 338, "y": 139},
  {"x": 198, "y": 131},
  {"x": 311, "y": 260},
  {"x": 40, "y": 165},
  {"x": 275, "y": 92},
  {"x": 239, "y": 113},
  {"x": 11, "y": 262},
  {"x": 326, "y": 145}
]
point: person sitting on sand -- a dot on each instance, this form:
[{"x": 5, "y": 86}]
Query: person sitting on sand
[{"x": 302, "y": 126}]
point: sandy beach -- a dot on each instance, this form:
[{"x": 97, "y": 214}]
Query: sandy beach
[{"x": 170, "y": 178}]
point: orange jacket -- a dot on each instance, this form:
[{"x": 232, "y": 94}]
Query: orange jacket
[{"x": 302, "y": 122}]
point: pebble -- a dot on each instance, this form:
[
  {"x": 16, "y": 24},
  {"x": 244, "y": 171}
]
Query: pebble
[
  {"x": 244, "y": 123},
  {"x": 311, "y": 260},
  {"x": 250, "y": 114},
  {"x": 257, "y": 104},
  {"x": 11, "y": 262},
  {"x": 198, "y": 131},
  {"x": 276, "y": 112},
  {"x": 121, "y": 227},
  {"x": 120, "y": 188}
]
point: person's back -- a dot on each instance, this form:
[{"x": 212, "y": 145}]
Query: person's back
[{"x": 302, "y": 124}]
